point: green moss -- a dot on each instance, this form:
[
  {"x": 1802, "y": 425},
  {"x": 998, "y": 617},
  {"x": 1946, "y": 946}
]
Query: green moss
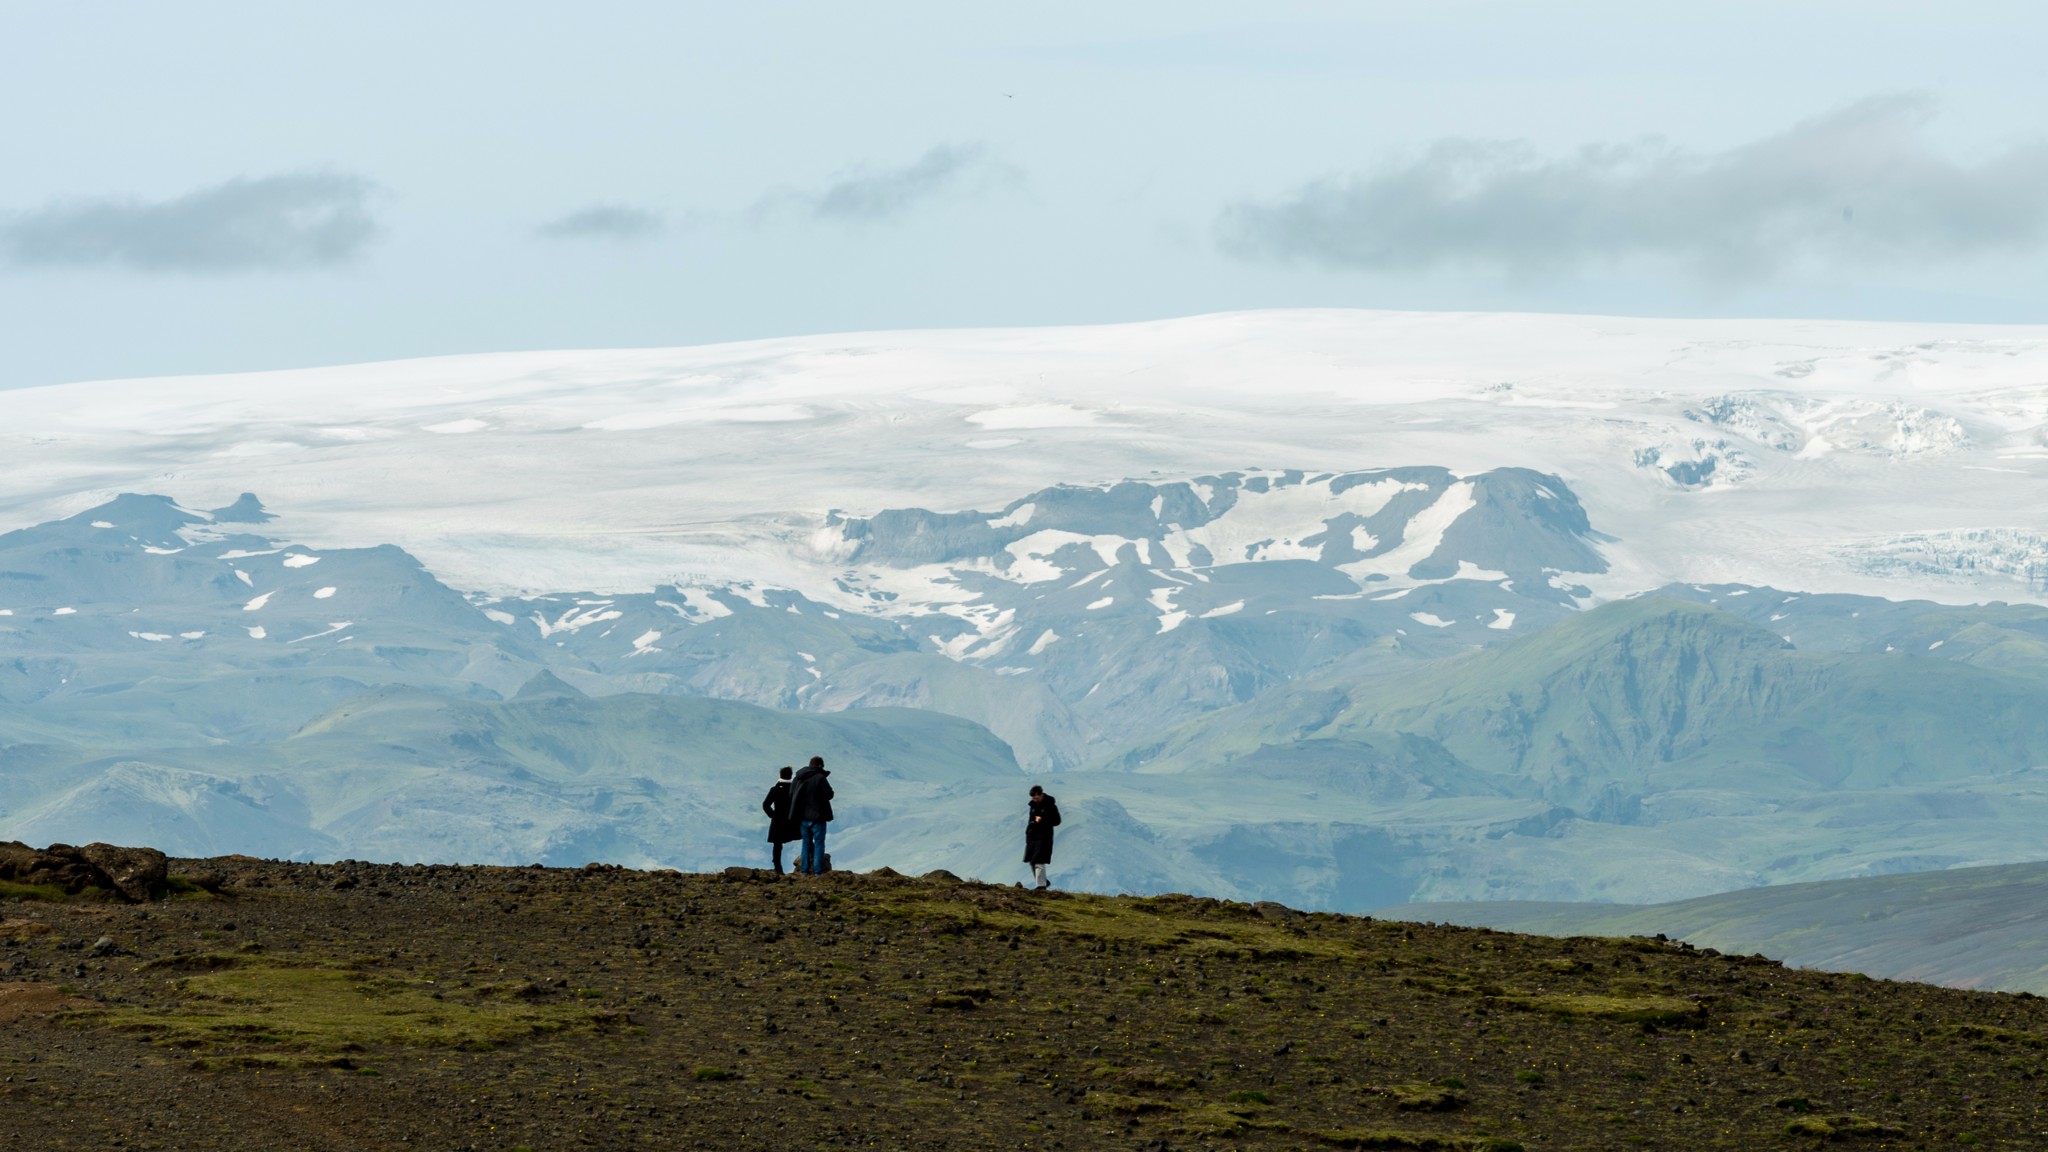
[
  {"x": 11, "y": 889},
  {"x": 1636, "y": 1009},
  {"x": 1156, "y": 924},
  {"x": 233, "y": 1006},
  {"x": 1248, "y": 1096}
]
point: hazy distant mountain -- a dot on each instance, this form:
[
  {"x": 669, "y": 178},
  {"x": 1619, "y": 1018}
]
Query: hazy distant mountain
[
  {"x": 1645, "y": 697},
  {"x": 1968, "y": 927},
  {"x": 204, "y": 692},
  {"x": 1336, "y": 608}
]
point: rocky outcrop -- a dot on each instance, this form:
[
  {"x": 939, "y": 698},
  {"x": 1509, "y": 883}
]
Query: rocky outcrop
[{"x": 132, "y": 874}]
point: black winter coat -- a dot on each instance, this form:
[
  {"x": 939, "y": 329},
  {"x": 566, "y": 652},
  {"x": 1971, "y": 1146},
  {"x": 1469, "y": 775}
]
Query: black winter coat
[
  {"x": 775, "y": 806},
  {"x": 1042, "y": 816},
  {"x": 810, "y": 795}
]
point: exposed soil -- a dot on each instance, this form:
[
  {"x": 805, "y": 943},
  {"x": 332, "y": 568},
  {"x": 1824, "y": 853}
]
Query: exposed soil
[{"x": 361, "y": 1006}]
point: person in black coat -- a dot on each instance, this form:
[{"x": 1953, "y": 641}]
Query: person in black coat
[
  {"x": 781, "y": 827},
  {"x": 810, "y": 805},
  {"x": 1042, "y": 816}
]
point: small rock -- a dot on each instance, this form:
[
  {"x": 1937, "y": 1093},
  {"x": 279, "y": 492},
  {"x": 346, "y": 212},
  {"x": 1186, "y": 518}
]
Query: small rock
[
  {"x": 1268, "y": 910},
  {"x": 104, "y": 946}
]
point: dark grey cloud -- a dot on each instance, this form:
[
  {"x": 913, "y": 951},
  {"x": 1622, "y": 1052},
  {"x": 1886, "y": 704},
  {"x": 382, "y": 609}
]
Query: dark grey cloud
[
  {"x": 617, "y": 223},
  {"x": 267, "y": 224},
  {"x": 1858, "y": 186},
  {"x": 876, "y": 196}
]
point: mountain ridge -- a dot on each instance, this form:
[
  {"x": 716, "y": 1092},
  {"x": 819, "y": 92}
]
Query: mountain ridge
[{"x": 1342, "y": 752}]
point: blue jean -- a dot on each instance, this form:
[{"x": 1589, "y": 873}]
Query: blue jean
[{"x": 812, "y": 861}]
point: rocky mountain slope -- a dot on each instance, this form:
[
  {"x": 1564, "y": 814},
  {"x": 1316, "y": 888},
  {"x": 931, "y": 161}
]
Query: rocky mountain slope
[{"x": 359, "y": 1006}]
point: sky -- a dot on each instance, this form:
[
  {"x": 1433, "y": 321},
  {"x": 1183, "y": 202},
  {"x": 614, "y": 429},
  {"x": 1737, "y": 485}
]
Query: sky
[{"x": 225, "y": 186}]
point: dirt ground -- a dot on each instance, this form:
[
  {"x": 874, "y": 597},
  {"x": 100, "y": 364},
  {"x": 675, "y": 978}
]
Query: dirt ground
[{"x": 360, "y": 1006}]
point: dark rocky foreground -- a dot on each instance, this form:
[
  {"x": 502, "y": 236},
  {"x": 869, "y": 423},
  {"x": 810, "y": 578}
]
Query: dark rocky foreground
[{"x": 354, "y": 1006}]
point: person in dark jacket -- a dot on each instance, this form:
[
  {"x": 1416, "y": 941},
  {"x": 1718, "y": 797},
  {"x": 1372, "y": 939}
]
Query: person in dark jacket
[
  {"x": 1042, "y": 816},
  {"x": 810, "y": 805},
  {"x": 781, "y": 828}
]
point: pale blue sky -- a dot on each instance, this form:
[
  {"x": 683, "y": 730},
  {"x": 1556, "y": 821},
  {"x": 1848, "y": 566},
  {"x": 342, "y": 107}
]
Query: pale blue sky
[{"x": 219, "y": 186}]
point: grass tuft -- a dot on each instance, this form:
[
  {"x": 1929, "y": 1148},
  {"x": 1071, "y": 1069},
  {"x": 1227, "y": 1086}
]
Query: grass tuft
[
  {"x": 1425, "y": 1098},
  {"x": 10, "y": 889},
  {"x": 1836, "y": 1127},
  {"x": 1632, "y": 1009},
  {"x": 1249, "y": 1096},
  {"x": 1127, "y": 1105},
  {"x": 1418, "y": 1141}
]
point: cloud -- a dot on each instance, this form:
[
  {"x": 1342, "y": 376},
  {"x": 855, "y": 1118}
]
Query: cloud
[
  {"x": 1858, "y": 186},
  {"x": 875, "y": 197},
  {"x": 618, "y": 223},
  {"x": 267, "y": 224}
]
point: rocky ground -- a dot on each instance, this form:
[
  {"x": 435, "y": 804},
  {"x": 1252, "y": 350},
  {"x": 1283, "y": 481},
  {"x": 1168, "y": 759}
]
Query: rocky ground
[{"x": 262, "y": 1005}]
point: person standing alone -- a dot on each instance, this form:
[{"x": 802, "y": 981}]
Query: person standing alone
[
  {"x": 1043, "y": 815},
  {"x": 781, "y": 828},
  {"x": 810, "y": 805}
]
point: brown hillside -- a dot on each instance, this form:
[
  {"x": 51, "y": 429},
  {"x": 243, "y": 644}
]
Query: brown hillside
[{"x": 369, "y": 1007}]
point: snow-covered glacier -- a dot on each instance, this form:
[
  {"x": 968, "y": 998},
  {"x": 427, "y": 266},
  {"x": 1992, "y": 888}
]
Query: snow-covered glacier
[{"x": 1762, "y": 451}]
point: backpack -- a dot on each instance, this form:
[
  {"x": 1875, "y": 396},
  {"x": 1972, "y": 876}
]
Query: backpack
[{"x": 1052, "y": 814}]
